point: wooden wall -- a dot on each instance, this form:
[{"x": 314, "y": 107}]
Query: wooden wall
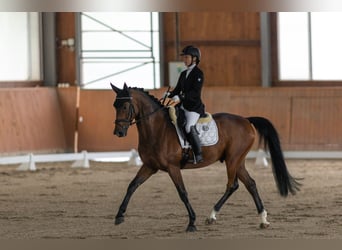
[
  {"x": 46, "y": 119},
  {"x": 66, "y": 57},
  {"x": 30, "y": 121},
  {"x": 306, "y": 118},
  {"x": 97, "y": 123},
  {"x": 69, "y": 108},
  {"x": 43, "y": 119},
  {"x": 229, "y": 43}
]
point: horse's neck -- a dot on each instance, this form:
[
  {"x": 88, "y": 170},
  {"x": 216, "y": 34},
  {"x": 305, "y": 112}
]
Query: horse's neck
[{"x": 152, "y": 122}]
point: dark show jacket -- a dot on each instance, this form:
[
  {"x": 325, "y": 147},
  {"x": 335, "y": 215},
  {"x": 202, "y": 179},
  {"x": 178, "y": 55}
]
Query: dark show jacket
[{"x": 189, "y": 90}]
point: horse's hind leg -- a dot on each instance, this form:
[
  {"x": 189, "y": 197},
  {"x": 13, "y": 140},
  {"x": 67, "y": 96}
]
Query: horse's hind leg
[
  {"x": 252, "y": 189},
  {"x": 232, "y": 186},
  {"x": 229, "y": 191},
  {"x": 232, "y": 164}
]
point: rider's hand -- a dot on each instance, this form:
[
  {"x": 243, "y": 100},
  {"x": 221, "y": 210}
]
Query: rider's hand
[
  {"x": 176, "y": 98},
  {"x": 166, "y": 94}
]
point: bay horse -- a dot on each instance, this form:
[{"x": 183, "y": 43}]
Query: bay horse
[{"x": 159, "y": 149}]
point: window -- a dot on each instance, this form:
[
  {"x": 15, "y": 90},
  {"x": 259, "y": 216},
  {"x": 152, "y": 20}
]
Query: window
[
  {"x": 118, "y": 48},
  {"x": 20, "y": 46},
  {"x": 309, "y": 46},
  {"x": 293, "y": 41}
]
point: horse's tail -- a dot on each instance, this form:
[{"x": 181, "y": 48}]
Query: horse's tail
[{"x": 269, "y": 135}]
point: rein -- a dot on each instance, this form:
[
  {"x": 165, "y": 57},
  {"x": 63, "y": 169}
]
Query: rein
[
  {"x": 130, "y": 118},
  {"x": 145, "y": 116}
]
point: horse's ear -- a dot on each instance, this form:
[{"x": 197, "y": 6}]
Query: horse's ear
[
  {"x": 116, "y": 89},
  {"x": 125, "y": 86}
]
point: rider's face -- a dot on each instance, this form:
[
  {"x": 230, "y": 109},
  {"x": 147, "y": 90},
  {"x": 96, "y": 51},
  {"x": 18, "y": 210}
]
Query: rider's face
[{"x": 187, "y": 59}]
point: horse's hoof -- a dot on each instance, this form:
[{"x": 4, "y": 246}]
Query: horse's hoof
[
  {"x": 191, "y": 228},
  {"x": 264, "y": 225},
  {"x": 210, "y": 221},
  {"x": 119, "y": 220}
]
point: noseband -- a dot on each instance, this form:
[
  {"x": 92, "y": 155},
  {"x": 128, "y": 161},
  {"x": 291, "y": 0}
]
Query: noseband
[{"x": 131, "y": 111}]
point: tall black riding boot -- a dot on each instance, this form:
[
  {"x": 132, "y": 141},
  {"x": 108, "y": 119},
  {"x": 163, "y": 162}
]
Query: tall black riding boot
[{"x": 195, "y": 144}]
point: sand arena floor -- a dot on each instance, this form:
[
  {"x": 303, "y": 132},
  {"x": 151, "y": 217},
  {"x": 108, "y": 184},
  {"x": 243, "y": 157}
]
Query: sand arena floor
[{"x": 60, "y": 202}]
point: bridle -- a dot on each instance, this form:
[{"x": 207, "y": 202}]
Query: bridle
[{"x": 132, "y": 116}]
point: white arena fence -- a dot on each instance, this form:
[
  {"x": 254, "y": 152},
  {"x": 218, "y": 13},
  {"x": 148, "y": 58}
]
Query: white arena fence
[{"x": 81, "y": 160}]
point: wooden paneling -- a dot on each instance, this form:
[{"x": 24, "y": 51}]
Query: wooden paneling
[
  {"x": 30, "y": 121},
  {"x": 246, "y": 105},
  {"x": 219, "y": 26},
  {"x": 69, "y": 102},
  {"x": 45, "y": 119},
  {"x": 97, "y": 123},
  {"x": 96, "y": 129},
  {"x": 235, "y": 65},
  {"x": 48, "y": 120},
  {"x": 310, "y": 126},
  {"x": 306, "y": 118},
  {"x": 66, "y": 60},
  {"x": 229, "y": 42}
]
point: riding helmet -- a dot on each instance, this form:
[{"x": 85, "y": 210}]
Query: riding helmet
[{"x": 192, "y": 51}]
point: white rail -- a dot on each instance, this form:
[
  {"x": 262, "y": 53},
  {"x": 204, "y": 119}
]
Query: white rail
[{"x": 27, "y": 162}]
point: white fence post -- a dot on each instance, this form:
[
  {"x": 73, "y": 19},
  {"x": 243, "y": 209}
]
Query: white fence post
[
  {"x": 30, "y": 165},
  {"x": 83, "y": 163},
  {"x": 134, "y": 160},
  {"x": 261, "y": 160}
]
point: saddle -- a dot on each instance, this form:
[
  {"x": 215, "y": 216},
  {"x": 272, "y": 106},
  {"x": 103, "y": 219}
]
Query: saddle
[{"x": 205, "y": 126}]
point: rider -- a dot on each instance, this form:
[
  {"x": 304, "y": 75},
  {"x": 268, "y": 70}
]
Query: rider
[{"x": 188, "y": 93}]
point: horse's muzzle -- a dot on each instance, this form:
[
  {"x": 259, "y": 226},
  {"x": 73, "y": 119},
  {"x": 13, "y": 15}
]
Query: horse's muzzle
[{"x": 120, "y": 132}]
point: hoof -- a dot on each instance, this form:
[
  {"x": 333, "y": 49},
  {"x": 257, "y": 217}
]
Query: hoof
[
  {"x": 191, "y": 228},
  {"x": 119, "y": 220},
  {"x": 210, "y": 221},
  {"x": 264, "y": 225}
]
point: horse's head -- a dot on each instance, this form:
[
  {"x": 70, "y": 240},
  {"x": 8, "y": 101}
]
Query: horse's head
[{"x": 124, "y": 110}]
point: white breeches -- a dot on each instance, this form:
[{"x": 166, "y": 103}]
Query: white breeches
[{"x": 191, "y": 119}]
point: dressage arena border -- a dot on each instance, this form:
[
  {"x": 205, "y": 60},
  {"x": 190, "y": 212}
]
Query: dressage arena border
[{"x": 27, "y": 162}]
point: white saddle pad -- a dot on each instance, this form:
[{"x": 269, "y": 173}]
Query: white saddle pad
[{"x": 208, "y": 134}]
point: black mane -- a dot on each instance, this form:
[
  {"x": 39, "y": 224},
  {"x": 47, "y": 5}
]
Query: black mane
[{"x": 152, "y": 97}]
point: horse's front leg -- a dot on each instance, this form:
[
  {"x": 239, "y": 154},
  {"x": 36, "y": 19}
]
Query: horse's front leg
[
  {"x": 177, "y": 179},
  {"x": 143, "y": 174}
]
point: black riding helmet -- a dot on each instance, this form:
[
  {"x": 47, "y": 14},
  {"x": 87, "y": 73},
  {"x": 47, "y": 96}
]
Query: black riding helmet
[{"x": 192, "y": 51}]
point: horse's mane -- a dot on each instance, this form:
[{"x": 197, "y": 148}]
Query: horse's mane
[{"x": 152, "y": 97}]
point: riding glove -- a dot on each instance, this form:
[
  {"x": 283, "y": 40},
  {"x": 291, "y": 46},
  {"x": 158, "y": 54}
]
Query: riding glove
[{"x": 176, "y": 98}]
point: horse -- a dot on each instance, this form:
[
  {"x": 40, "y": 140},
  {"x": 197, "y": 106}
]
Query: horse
[{"x": 159, "y": 149}]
